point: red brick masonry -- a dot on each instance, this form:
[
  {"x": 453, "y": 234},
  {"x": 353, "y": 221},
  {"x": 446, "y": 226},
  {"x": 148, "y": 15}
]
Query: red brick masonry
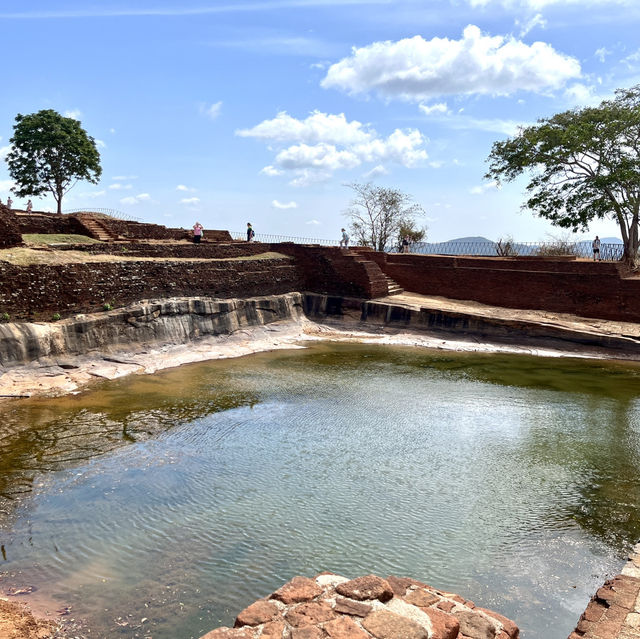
[
  {"x": 614, "y": 611},
  {"x": 333, "y": 607}
]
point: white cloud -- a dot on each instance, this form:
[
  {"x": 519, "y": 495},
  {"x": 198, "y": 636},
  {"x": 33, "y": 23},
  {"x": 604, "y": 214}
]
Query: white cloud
[
  {"x": 4, "y": 150},
  {"x": 483, "y": 188},
  {"x": 75, "y": 114},
  {"x": 6, "y": 185},
  {"x": 112, "y": 130},
  {"x": 602, "y": 53},
  {"x": 533, "y": 22},
  {"x": 429, "y": 109},
  {"x": 182, "y": 187},
  {"x": 135, "y": 199},
  {"x": 101, "y": 144},
  {"x": 415, "y": 69},
  {"x": 284, "y": 205},
  {"x": 313, "y": 222},
  {"x": 192, "y": 201},
  {"x": 93, "y": 194},
  {"x": 582, "y": 95},
  {"x": 318, "y": 127},
  {"x": 211, "y": 110},
  {"x": 321, "y": 144},
  {"x": 537, "y": 5},
  {"x": 375, "y": 172},
  {"x": 123, "y": 178},
  {"x": 120, "y": 187},
  {"x": 271, "y": 171}
]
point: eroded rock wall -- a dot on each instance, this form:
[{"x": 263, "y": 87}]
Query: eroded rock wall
[{"x": 170, "y": 321}]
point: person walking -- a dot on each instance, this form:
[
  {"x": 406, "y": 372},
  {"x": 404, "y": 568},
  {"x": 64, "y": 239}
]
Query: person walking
[
  {"x": 29, "y": 206},
  {"x": 197, "y": 232},
  {"x": 595, "y": 245},
  {"x": 250, "y": 232},
  {"x": 344, "y": 240},
  {"x": 9, "y": 203}
]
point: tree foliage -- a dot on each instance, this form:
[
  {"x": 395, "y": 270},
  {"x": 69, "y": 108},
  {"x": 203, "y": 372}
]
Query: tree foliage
[
  {"x": 51, "y": 153},
  {"x": 376, "y": 215},
  {"x": 584, "y": 165}
]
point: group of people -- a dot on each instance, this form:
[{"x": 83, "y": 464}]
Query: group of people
[
  {"x": 9, "y": 204},
  {"x": 198, "y": 232}
]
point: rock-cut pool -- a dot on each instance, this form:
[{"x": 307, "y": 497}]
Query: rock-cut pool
[{"x": 160, "y": 506}]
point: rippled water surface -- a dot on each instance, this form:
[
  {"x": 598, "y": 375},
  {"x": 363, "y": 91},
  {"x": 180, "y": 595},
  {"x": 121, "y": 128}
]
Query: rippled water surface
[{"x": 180, "y": 498}]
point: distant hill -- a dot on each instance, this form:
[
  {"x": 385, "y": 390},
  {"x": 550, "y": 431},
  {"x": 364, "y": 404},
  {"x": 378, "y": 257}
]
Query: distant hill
[{"x": 477, "y": 238}]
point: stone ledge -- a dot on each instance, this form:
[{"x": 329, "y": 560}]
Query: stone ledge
[{"x": 370, "y": 607}]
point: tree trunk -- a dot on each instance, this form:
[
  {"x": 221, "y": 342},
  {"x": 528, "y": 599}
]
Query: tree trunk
[{"x": 631, "y": 245}]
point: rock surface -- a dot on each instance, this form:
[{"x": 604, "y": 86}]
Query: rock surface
[{"x": 370, "y": 607}]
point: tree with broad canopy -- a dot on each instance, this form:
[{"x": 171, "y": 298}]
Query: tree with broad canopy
[
  {"x": 584, "y": 166},
  {"x": 377, "y": 214},
  {"x": 51, "y": 153}
]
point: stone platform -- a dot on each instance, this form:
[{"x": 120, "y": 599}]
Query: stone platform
[
  {"x": 370, "y": 607},
  {"x": 614, "y": 611}
]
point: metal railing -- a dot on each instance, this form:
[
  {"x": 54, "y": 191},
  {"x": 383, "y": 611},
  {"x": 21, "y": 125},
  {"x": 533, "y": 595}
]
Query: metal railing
[
  {"x": 114, "y": 213},
  {"x": 274, "y": 239},
  {"x": 608, "y": 251}
]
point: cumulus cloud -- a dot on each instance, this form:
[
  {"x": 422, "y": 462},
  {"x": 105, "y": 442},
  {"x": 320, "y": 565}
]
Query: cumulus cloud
[
  {"x": 135, "y": 199},
  {"x": 284, "y": 205},
  {"x": 6, "y": 185},
  {"x": 415, "y": 69},
  {"x": 117, "y": 186},
  {"x": 321, "y": 144},
  {"x": 101, "y": 144},
  {"x": 191, "y": 201}
]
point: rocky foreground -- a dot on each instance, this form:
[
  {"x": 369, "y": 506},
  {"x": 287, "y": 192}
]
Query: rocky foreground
[{"x": 334, "y": 607}]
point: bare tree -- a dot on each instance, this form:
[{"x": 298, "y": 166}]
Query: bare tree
[{"x": 376, "y": 214}]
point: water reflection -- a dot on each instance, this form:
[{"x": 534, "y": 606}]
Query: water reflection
[{"x": 184, "y": 496}]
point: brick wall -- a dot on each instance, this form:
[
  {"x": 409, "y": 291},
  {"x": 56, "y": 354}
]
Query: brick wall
[
  {"x": 333, "y": 271},
  {"x": 9, "y": 230},
  {"x": 590, "y": 289},
  {"x": 37, "y": 291}
]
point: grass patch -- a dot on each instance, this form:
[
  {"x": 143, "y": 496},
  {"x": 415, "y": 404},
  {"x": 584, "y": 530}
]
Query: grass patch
[
  {"x": 57, "y": 238},
  {"x": 23, "y": 256}
]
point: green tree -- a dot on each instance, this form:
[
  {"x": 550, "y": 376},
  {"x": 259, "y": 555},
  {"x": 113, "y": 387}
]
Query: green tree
[
  {"x": 51, "y": 153},
  {"x": 376, "y": 214},
  {"x": 411, "y": 230},
  {"x": 584, "y": 165}
]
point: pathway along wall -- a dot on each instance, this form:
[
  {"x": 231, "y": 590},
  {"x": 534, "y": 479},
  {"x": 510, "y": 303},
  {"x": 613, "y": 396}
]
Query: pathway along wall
[{"x": 589, "y": 289}]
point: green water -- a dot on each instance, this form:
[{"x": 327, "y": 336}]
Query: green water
[{"x": 180, "y": 498}]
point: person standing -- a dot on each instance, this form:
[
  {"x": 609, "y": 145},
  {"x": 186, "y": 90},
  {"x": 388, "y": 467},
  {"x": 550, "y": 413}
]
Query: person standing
[
  {"x": 197, "y": 232},
  {"x": 595, "y": 245},
  {"x": 29, "y": 206},
  {"x": 9, "y": 202},
  {"x": 250, "y": 232},
  {"x": 345, "y": 239},
  {"x": 405, "y": 244}
]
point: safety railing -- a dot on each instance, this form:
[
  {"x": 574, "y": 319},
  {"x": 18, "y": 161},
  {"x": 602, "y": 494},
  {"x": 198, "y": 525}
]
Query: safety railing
[
  {"x": 118, "y": 215},
  {"x": 274, "y": 239},
  {"x": 608, "y": 251}
]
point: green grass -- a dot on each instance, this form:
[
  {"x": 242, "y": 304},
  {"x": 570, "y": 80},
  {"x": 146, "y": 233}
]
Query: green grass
[{"x": 57, "y": 238}]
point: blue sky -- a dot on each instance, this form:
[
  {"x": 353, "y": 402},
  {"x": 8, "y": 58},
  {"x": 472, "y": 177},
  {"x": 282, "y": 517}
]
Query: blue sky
[{"x": 262, "y": 111}]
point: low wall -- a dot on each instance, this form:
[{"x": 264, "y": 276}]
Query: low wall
[
  {"x": 37, "y": 291},
  {"x": 590, "y": 289}
]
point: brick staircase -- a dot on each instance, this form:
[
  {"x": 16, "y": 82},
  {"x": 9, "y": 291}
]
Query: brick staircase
[
  {"x": 96, "y": 228},
  {"x": 380, "y": 282}
]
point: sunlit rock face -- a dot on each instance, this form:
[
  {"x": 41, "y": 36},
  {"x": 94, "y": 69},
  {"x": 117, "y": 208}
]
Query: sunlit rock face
[{"x": 369, "y": 607}]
